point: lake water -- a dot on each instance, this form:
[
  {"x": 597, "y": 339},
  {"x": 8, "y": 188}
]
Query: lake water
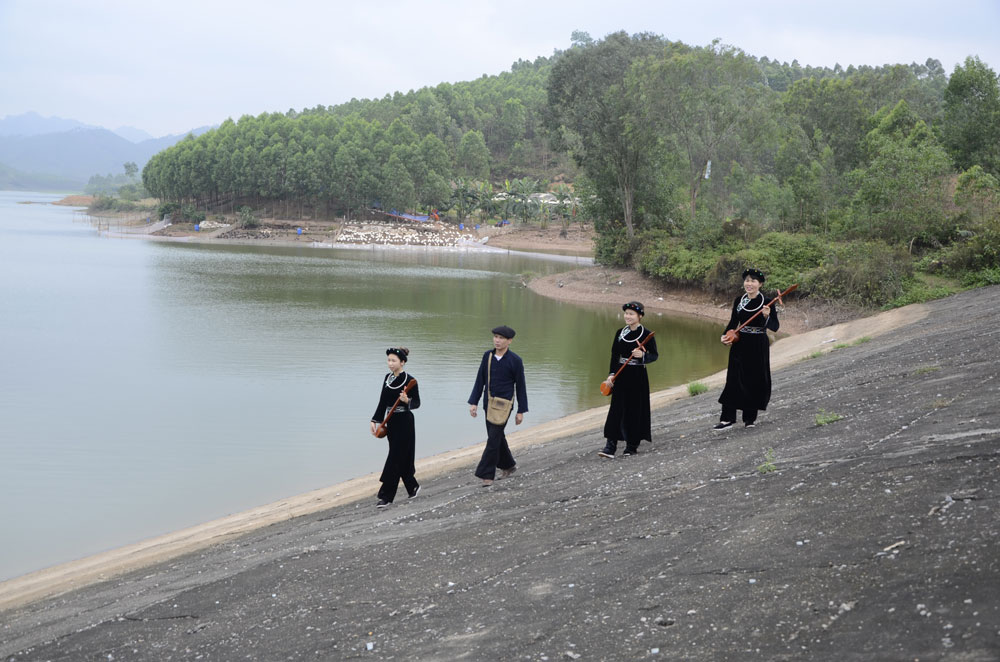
[{"x": 148, "y": 386}]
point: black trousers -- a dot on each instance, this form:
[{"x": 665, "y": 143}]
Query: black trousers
[
  {"x": 496, "y": 455},
  {"x": 729, "y": 415},
  {"x": 399, "y": 462}
]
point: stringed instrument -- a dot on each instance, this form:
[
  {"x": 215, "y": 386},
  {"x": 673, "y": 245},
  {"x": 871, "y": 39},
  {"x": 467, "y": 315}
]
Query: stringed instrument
[
  {"x": 381, "y": 430},
  {"x": 732, "y": 335},
  {"x": 605, "y": 389}
]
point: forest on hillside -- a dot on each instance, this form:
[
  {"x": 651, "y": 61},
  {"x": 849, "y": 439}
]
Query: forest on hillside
[{"x": 870, "y": 185}]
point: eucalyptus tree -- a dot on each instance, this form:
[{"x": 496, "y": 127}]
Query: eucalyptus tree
[
  {"x": 473, "y": 156},
  {"x": 706, "y": 103},
  {"x": 588, "y": 113},
  {"x": 901, "y": 193},
  {"x": 397, "y": 189},
  {"x": 353, "y": 175},
  {"x": 971, "y": 126},
  {"x": 830, "y": 112}
]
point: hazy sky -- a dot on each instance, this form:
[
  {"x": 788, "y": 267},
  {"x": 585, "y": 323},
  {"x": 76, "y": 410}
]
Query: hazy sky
[{"x": 166, "y": 67}]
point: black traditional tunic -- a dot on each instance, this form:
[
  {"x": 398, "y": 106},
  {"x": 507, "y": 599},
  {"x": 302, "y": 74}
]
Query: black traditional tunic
[
  {"x": 400, "y": 434},
  {"x": 748, "y": 378},
  {"x": 628, "y": 417}
]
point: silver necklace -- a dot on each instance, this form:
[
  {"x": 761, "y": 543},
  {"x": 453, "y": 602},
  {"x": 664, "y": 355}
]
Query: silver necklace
[
  {"x": 745, "y": 301},
  {"x": 625, "y": 331},
  {"x": 391, "y": 377}
]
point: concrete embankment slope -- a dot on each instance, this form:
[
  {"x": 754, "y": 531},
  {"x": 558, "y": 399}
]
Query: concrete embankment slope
[{"x": 875, "y": 537}]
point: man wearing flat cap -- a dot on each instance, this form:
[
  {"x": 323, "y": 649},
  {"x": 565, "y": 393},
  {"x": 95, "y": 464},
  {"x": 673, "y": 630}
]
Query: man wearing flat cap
[{"x": 499, "y": 382}]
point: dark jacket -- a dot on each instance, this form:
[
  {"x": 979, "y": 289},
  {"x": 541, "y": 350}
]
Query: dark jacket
[{"x": 506, "y": 378}]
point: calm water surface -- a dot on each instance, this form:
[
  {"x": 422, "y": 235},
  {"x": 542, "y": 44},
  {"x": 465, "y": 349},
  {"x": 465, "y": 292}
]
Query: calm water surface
[{"x": 146, "y": 387}]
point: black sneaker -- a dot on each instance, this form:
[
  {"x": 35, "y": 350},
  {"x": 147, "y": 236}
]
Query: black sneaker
[
  {"x": 722, "y": 425},
  {"x": 630, "y": 451},
  {"x": 605, "y": 453},
  {"x": 749, "y": 425},
  {"x": 382, "y": 503},
  {"x": 413, "y": 494}
]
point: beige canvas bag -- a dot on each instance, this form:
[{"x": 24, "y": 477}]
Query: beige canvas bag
[{"x": 497, "y": 409}]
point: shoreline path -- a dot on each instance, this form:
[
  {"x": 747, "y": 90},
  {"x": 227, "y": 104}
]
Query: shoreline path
[{"x": 870, "y": 537}]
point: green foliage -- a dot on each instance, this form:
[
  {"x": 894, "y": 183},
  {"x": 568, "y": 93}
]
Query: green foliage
[
  {"x": 979, "y": 191},
  {"x": 668, "y": 258},
  {"x": 124, "y": 185},
  {"x": 784, "y": 257},
  {"x": 971, "y": 124},
  {"x": 589, "y": 117},
  {"x": 861, "y": 273},
  {"x": 834, "y": 178},
  {"x": 338, "y": 159},
  {"x": 982, "y": 278},
  {"x": 703, "y": 103},
  {"x": 826, "y": 417},
  {"x": 978, "y": 252},
  {"x": 916, "y": 291},
  {"x": 191, "y": 213},
  {"x": 103, "y": 202},
  {"x": 613, "y": 247},
  {"x": 767, "y": 466},
  {"x": 902, "y": 192},
  {"x": 248, "y": 218},
  {"x": 167, "y": 208},
  {"x": 696, "y": 388}
]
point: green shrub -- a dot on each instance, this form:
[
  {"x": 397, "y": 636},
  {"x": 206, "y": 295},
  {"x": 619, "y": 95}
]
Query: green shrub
[
  {"x": 167, "y": 208},
  {"x": 668, "y": 259},
  {"x": 978, "y": 252},
  {"x": 696, "y": 388},
  {"x": 247, "y": 217},
  {"x": 783, "y": 256},
  {"x": 613, "y": 248},
  {"x": 918, "y": 292},
  {"x": 863, "y": 273},
  {"x": 192, "y": 214},
  {"x": 982, "y": 278}
]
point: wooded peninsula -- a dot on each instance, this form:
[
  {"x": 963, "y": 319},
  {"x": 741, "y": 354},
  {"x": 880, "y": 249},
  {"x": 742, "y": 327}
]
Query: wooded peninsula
[{"x": 872, "y": 186}]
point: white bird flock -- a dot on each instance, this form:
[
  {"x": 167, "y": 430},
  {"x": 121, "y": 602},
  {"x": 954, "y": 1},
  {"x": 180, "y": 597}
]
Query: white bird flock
[{"x": 426, "y": 234}]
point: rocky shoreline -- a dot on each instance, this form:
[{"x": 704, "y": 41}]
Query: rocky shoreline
[{"x": 858, "y": 521}]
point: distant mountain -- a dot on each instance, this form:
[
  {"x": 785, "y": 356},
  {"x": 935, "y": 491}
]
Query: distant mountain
[
  {"x": 71, "y": 157},
  {"x": 133, "y": 134},
  {"x": 33, "y": 124}
]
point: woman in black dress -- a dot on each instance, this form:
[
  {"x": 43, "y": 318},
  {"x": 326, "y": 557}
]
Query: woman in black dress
[
  {"x": 748, "y": 378},
  {"x": 399, "y": 432},
  {"x": 628, "y": 417}
]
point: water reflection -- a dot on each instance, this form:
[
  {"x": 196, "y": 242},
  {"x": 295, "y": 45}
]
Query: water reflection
[{"x": 153, "y": 386}]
